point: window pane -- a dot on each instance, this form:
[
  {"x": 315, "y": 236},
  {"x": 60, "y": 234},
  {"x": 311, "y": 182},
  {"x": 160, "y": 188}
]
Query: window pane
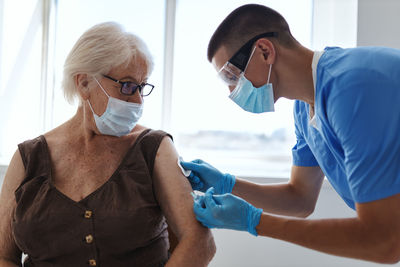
[
  {"x": 206, "y": 123},
  {"x": 20, "y": 74},
  {"x": 143, "y": 18}
]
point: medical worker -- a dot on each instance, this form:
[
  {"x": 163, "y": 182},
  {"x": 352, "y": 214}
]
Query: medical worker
[{"x": 347, "y": 118}]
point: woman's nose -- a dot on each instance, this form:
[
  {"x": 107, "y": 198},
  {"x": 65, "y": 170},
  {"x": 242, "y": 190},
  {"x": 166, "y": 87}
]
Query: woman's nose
[{"x": 137, "y": 97}]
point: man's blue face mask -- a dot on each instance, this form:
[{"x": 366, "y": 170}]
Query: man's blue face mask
[
  {"x": 248, "y": 97},
  {"x": 252, "y": 99}
]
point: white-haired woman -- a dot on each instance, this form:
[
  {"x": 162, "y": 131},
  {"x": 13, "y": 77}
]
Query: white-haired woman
[{"x": 98, "y": 189}]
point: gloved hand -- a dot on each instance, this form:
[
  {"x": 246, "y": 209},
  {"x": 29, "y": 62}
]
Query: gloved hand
[
  {"x": 204, "y": 176},
  {"x": 226, "y": 211}
]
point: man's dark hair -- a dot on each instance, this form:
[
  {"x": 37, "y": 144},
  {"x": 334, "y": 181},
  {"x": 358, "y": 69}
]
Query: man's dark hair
[{"x": 244, "y": 23}]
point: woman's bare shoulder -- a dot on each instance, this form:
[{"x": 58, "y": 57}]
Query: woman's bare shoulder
[
  {"x": 15, "y": 173},
  {"x": 13, "y": 178},
  {"x": 173, "y": 189}
]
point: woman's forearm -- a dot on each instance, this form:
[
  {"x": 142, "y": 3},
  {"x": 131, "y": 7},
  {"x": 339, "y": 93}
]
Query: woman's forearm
[{"x": 193, "y": 251}]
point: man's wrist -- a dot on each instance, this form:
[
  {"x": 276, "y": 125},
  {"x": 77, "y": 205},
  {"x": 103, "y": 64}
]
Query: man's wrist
[
  {"x": 253, "y": 219},
  {"x": 230, "y": 181}
]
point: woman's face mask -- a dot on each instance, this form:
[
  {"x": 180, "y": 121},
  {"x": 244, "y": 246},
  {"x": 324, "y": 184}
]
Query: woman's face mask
[{"x": 119, "y": 118}]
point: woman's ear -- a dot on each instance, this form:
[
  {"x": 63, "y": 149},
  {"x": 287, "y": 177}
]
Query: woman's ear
[
  {"x": 82, "y": 85},
  {"x": 268, "y": 50}
]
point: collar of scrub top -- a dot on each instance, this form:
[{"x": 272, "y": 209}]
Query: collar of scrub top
[{"x": 241, "y": 57}]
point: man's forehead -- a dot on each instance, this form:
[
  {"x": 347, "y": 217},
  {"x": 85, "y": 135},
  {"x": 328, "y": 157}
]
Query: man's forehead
[{"x": 220, "y": 58}]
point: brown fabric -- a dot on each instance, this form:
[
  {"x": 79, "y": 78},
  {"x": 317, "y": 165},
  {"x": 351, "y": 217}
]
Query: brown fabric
[{"x": 127, "y": 225}]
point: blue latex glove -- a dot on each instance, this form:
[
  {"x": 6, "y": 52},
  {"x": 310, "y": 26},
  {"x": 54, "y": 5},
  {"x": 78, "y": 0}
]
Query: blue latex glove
[
  {"x": 204, "y": 176},
  {"x": 226, "y": 211}
]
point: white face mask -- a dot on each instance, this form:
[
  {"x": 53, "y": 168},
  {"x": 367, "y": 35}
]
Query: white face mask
[{"x": 119, "y": 118}]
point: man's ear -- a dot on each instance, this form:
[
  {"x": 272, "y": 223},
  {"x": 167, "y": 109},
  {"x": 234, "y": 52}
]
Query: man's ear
[
  {"x": 81, "y": 84},
  {"x": 268, "y": 50}
]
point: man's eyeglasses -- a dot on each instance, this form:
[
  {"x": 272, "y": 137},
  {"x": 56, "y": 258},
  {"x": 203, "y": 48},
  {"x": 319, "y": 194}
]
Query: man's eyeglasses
[
  {"x": 236, "y": 65},
  {"x": 129, "y": 88}
]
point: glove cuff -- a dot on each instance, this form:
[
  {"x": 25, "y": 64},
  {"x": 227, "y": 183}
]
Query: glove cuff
[
  {"x": 229, "y": 183},
  {"x": 253, "y": 219}
]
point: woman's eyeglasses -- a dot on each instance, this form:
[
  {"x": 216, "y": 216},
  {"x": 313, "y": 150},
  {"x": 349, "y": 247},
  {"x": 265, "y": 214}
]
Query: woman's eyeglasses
[{"x": 129, "y": 88}]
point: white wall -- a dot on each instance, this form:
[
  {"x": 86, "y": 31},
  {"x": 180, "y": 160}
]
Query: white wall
[
  {"x": 349, "y": 23},
  {"x": 378, "y": 23}
]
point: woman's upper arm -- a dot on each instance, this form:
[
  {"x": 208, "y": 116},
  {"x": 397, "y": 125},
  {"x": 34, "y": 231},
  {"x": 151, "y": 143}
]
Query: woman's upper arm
[
  {"x": 13, "y": 178},
  {"x": 173, "y": 192}
]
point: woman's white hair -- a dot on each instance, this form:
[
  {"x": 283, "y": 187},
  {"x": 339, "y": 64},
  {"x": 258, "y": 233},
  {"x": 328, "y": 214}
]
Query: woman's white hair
[{"x": 98, "y": 50}]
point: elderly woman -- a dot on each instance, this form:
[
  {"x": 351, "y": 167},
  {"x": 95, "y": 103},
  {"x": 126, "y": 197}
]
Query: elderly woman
[{"x": 94, "y": 191}]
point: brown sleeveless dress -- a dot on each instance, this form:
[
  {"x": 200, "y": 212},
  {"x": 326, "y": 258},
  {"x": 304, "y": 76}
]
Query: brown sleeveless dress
[{"x": 119, "y": 224}]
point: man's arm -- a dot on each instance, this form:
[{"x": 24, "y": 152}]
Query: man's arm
[
  {"x": 295, "y": 198},
  {"x": 196, "y": 245},
  {"x": 10, "y": 255},
  {"x": 374, "y": 235}
]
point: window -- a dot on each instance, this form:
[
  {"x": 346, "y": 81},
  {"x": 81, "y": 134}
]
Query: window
[
  {"x": 205, "y": 122},
  {"x": 20, "y": 74}
]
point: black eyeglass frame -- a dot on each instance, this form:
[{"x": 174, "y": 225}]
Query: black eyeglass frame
[
  {"x": 140, "y": 86},
  {"x": 241, "y": 57}
]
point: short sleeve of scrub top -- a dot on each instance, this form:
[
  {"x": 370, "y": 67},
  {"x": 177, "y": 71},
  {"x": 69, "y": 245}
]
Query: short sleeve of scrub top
[
  {"x": 363, "y": 109},
  {"x": 301, "y": 152}
]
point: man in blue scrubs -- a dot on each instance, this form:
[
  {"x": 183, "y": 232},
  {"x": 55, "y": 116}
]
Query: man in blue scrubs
[{"x": 347, "y": 116}]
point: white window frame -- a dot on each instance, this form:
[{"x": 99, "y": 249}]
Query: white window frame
[
  {"x": 49, "y": 8},
  {"x": 19, "y": 64},
  {"x": 334, "y": 23},
  {"x": 169, "y": 37},
  {"x": 1, "y": 40}
]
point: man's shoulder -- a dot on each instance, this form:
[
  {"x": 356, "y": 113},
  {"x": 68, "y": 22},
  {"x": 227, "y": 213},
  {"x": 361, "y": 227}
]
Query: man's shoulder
[
  {"x": 340, "y": 61},
  {"x": 355, "y": 69}
]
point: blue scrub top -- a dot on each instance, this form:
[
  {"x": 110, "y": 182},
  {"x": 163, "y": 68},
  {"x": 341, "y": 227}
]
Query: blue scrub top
[{"x": 356, "y": 141}]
